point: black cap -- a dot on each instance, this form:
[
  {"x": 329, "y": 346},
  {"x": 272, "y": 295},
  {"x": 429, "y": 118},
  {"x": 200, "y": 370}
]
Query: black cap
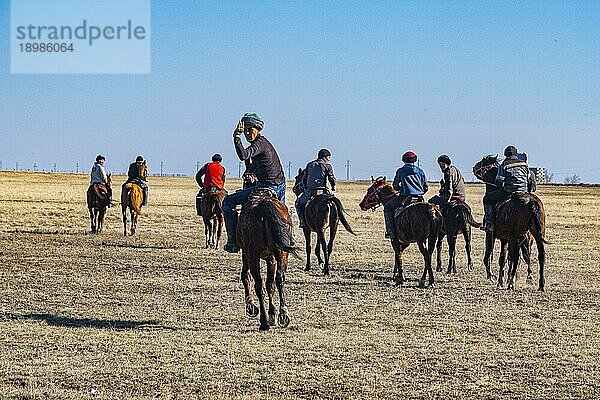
[
  {"x": 444, "y": 159},
  {"x": 324, "y": 153},
  {"x": 217, "y": 157},
  {"x": 139, "y": 158},
  {"x": 510, "y": 151},
  {"x": 100, "y": 157}
]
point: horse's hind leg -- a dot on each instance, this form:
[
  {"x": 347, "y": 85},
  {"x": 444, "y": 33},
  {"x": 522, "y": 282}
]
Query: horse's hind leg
[
  {"x": 219, "y": 229},
  {"x": 427, "y": 258},
  {"x": 93, "y": 219},
  {"x": 541, "y": 259},
  {"x": 124, "y": 211},
  {"x": 467, "y": 237},
  {"x": 525, "y": 246},
  {"x": 323, "y": 244},
  {"x": 213, "y": 233},
  {"x": 271, "y": 266},
  {"x": 133, "y": 221},
  {"x": 100, "y": 224},
  {"x": 251, "y": 309},
  {"x": 259, "y": 290},
  {"x": 398, "y": 258},
  {"x": 438, "y": 247},
  {"x": 332, "y": 232},
  {"x": 513, "y": 262},
  {"x": 206, "y": 232},
  {"x": 451, "y": 253},
  {"x": 502, "y": 262},
  {"x": 283, "y": 320},
  {"x": 307, "y": 242}
]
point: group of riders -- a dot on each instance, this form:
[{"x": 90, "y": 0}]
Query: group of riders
[
  {"x": 262, "y": 161},
  {"x": 99, "y": 178}
]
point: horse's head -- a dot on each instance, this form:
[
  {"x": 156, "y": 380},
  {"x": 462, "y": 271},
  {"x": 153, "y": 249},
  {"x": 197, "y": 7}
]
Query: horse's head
[
  {"x": 486, "y": 169},
  {"x": 249, "y": 180},
  {"x": 378, "y": 193},
  {"x": 298, "y": 188},
  {"x": 144, "y": 170}
]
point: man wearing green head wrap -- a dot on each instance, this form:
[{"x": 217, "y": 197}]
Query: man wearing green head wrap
[{"x": 262, "y": 160}]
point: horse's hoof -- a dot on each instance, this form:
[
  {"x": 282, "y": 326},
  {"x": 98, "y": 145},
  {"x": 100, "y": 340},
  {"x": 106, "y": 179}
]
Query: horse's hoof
[
  {"x": 307, "y": 268},
  {"x": 438, "y": 269},
  {"x": 264, "y": 327},
  {"x": 470, "y": 267},
  {"x": 251, "y": 310},
  {"x": 448, "y": 272},
  {"x": 271, "y": 319},
  {"x": 325, "y": 271},
  {"x": 421, "y": 284},
  {"x": 529, "y": 279},
  {"x": 283, "y": 320}
]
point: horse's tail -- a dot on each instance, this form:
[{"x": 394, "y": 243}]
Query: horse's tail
[
  {"x": 539, "y": 218},
  {"x": 465, "y": 211},
  {"x": 278, "y": 226},
  {"x": 217, "y": 205},
  {"x": 341, "y": 213},
  {"x": 132, "y": 197}
]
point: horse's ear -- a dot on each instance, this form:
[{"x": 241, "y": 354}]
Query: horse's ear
[{"x": 372, "y": 179}]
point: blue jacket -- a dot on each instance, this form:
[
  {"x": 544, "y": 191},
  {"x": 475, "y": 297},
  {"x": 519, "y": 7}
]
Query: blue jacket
[{"x": 410, "y": 180}]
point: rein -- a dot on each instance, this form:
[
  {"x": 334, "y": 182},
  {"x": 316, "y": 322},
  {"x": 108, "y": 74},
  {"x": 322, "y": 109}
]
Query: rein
[{"x": 371, "y": 204}]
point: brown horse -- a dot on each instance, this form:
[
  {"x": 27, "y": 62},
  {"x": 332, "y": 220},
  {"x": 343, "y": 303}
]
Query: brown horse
[
  {"x": 323, "y": 210},
  {"x": 212, "y": 214},
  {"x": 457, "y": 219},
  {"x": 264, "y": 232},
  {"x": 132, "y": 198},
  {"x": 418, "y": 222},
  {"x": 98, "y": 199},
  {"x": 520, "y": 215}
]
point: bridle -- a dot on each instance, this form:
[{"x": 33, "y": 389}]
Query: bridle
[
  {"x": 375, "y": 199},
  {"x": 481, "y": 170}
]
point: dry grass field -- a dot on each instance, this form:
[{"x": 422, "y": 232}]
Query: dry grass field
[{"x": 159, "y": 316}]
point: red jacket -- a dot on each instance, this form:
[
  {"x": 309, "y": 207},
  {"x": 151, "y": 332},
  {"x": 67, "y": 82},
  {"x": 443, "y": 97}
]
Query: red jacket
[{"x": 214, "y": 175}]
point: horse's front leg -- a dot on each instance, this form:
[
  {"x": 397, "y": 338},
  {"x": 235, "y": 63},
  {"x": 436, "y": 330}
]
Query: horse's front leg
[
  {"x": 124, "y": 211},
  {"x": 398, "y": 258},
  {"x": 513, "y": 263},
  {"x": 100, "y": 224},
  {"x": 251, "y": 309},
  {"x": 332, "y": 232},
  {"x": 93, "y": 220},
  {"x": 489, "y": 251},
  {"x": 502, "y": 262},
  {"x": 451, "y": 253}
]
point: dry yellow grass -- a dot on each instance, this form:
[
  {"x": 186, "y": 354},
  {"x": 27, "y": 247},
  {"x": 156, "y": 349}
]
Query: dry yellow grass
[{"x": 158, "y": 316}]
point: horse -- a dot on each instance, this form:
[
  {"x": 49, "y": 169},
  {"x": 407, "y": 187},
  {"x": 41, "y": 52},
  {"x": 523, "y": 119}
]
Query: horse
[
  {"x": 132, "y": 198},
  {"x": 212, "y": 215},
  {"x": 322, "y": 210},
  {"x": 98, "y": 199},
  {"x": 264, "y": 232},
  {"x": 521, "y": 214},
  {"x": 457, "y": 219},
  {"x": 419, "y": 223}
]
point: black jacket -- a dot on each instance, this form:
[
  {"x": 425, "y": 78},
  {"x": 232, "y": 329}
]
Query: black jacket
[{"x": 265, "y": 161}]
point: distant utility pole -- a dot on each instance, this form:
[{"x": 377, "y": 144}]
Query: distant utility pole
[
  {"x": 0, "y": 164},
  {"x": 197, "y": 166},
  {"x": 289, "y": 169},
  {"x": 161, "y": 166},
  {"x": 239, "y": 169},
  {"x": 77, "y": 168},
  {"x": 347, "y": 170},
  {"x": 54, "y": 167},
  {"x": 35, "y": 166},
  {"x": 17, "y": 166}
]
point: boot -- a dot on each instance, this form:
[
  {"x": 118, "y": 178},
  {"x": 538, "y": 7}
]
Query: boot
[
  {"x": 300, "y": 210},
  {"x": 145, "y": 195},
  {"x": 199, "y": 205},
  {"x": 390, "y": 232},
  {"x": 230, "y": 227},
  {"x": 489, "y": 211}
]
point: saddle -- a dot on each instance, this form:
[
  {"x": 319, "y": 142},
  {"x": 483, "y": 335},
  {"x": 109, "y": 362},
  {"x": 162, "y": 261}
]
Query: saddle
[
  {"x": 409, "y": 201},
  {"x": 319, "y": 191},
  {"x": 523, "y": 197},
  {"x": 262, "y": 193}
]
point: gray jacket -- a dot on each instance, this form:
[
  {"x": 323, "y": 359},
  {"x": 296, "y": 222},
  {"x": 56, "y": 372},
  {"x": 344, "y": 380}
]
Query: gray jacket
[
  {"x": 316, "y": 174},
  {"x": 98, "y": 174},
  {"x": 453, "y": 184},
  {"x": 513, "y": 175}
]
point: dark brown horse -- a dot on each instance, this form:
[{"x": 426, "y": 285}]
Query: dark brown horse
[
  {"x": 419, "y": 223},
  {"x": 264, "y": 232},
  {"x": 323, "y": 210},
  {"x": 521, "y": 214},
  {"x": 98, "y": 199},
  {"x": 132, "y": 197},
  {"x": 457, "y": 219},
  {"x": 212, "y": 215}
]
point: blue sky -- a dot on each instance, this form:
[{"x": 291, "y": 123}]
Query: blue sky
[{"x": 367, "y": 80}]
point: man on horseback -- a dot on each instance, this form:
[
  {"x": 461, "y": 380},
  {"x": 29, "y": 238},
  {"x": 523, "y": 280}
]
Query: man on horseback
[
  {"x": 452, "y": 185},
  {"x": 411, "y": 184},
  {"x": 316, "y": 174},
  {"x": 98, "y": 176},
  {"x": 134, "y": 175},
  {"x": 265, "y": 165},
  {"x": 513, "y": 177},
  {"x": 214, "y": 179}
]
